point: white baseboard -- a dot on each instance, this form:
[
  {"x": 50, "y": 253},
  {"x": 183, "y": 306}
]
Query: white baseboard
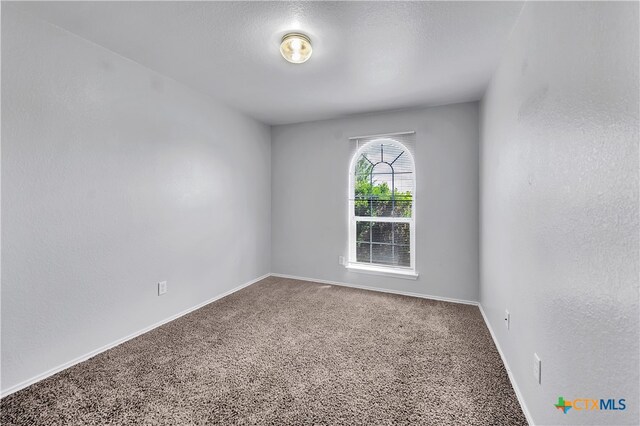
[
  {"x": 382, "y": 290},
  {"x": 512, "y": 379},
  {"x": 95, "y": 352}
]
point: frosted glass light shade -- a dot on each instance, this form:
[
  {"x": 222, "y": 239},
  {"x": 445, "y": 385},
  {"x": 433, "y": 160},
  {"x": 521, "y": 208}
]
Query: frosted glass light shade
[{"x": 296, "y": 48}]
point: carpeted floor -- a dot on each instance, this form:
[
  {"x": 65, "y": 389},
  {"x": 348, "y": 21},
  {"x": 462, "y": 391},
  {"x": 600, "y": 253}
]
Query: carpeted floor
[{"x": 286, "y": 352}]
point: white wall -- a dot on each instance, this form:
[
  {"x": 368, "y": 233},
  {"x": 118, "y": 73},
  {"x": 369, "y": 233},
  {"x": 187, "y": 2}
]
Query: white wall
[
  {"x": 114, "y": 178},
  {"x": 559, "y": 206},
  {"x": 310, "y": 166}
]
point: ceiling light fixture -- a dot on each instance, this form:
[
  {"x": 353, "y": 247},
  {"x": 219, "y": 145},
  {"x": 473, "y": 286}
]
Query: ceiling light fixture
[{"x": 296, "y": 48}]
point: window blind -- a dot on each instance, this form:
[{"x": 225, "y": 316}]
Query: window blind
[{"x": 408, "y": 139}]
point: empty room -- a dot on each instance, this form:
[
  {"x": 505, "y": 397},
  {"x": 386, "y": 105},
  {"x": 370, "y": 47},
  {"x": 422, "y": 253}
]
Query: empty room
[{"x": 320, "y": 213}]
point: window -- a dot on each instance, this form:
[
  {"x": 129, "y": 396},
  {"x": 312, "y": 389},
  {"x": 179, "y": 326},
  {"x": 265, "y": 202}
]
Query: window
[{"x": 382, "y": 208}]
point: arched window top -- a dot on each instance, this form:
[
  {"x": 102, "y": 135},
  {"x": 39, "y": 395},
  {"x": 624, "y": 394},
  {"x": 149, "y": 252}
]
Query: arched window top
[
  {"x": 382, "y": 205},
  {"x": 383, "y": 176},
  {"x": 388, "y": 151}
]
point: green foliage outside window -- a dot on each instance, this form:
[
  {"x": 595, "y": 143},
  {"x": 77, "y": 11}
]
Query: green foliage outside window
[{"x": 374, "y": 198}]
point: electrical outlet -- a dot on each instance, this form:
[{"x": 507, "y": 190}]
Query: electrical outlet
[
  {"x": 341, "y": 260},
  {"x": 507, "y": 319},
  {"x": 537, "y": 368},
  {"x": 162, "y": 288}
]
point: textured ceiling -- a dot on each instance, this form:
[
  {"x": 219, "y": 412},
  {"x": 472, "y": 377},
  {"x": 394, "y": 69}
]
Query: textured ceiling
[{"x": 368, "y": 56}]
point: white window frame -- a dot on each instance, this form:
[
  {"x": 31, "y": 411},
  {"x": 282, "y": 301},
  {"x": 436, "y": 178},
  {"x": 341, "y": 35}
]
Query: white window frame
[{"x": 372, "y": 268}]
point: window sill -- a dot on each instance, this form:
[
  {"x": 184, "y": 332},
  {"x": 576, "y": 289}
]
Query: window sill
[{"x": 406, "y": 274}]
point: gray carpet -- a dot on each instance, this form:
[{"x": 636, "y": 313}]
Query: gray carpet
[{"x": 289, "y": 352}]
